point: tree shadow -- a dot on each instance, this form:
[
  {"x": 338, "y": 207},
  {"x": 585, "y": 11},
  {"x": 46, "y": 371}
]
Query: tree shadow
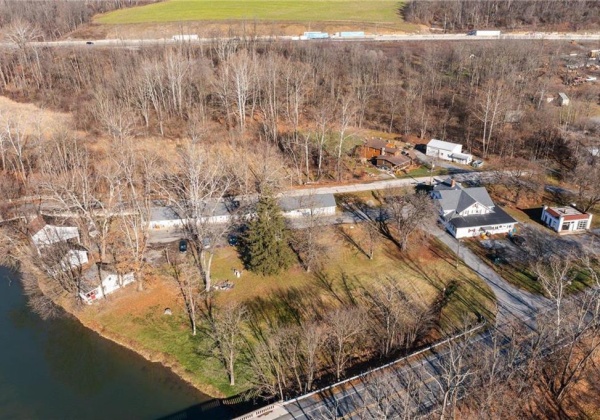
[
  {"x": 348, "y": 238},
  {"x": 534, "y": 214}
]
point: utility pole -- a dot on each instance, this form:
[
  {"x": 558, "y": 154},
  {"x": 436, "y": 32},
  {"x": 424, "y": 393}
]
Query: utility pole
[{"x": 457, "y": 253}]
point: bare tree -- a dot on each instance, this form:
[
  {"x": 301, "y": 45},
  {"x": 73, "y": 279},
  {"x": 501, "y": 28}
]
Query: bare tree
[
  {"x": 407, "y": 214},
  {"x": 555, "y": 274},
  {"x": 268, "y": 364},
  {"x": 347, "y": 110},
  {"x": 189, "y": 286},
  {"x": 397, "y": 321},
  {"x": 585, "y": 176},
  {"x": 345, "y": 327},
  {"x": 306, "y": 239},
  {"x": 488, "y": 111},
  {"x": 196, "y": 193},
  {"x": 453, "y": 375},
  {"x": 312, "y": 339},
  {"x": 573, "y": 351},
  {"x": 226, "y": 329}
]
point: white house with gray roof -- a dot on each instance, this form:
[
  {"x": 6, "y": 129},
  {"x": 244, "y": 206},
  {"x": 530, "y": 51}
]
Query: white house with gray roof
[
  {"x": 222, "y": 212},
  {"x": 307, "y": 205},
  {"x": 468, "y": 212},
  {"x": 448, "y": 151}
]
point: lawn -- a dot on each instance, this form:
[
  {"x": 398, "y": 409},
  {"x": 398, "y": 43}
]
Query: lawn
[
  {"x": 374, "y": 11},
  {"x": 423, "y": 172},
  {"x": 427, "y": 274},
  {"x": 515, "y": 271}
]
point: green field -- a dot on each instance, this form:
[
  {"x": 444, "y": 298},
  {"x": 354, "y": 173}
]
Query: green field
[{"x": 372, "y": 11}]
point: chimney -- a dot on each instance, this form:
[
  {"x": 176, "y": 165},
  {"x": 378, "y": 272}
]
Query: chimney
[{"x": 453, "y": 183}]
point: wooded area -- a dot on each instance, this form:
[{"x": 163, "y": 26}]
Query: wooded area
[
  {"x": 461, "y": 15},
  {"x": 189, "y": 124}
]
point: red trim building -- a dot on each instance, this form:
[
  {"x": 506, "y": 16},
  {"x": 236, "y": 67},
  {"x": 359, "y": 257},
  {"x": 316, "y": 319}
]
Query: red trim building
[{"x": 565, "y": 220}]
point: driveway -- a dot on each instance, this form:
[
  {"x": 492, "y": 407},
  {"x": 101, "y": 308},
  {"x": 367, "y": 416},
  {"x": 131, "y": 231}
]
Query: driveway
[
  {"x": 454, "y": 168},
  {"x": 512, "y": 302}
]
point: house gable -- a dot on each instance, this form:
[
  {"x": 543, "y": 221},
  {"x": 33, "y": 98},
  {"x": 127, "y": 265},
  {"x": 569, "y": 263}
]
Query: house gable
[{"x": 475, "y": 208}]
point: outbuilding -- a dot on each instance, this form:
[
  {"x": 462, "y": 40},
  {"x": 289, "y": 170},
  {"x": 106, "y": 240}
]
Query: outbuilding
[
  {"x": 563, "y": 99},
  {"x": 43, "y": 234},
  {"x": 565, "y": 220},
  {"x": 111, "y": 282},
  {"x": 447, "y": 151},
  {"x": 393, "y": 162}
]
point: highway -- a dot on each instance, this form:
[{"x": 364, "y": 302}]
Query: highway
[{"x": 134, "y": 43}]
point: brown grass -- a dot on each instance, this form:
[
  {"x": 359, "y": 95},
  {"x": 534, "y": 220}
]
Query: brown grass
[
  {"x": 32, "y": 119},
  {"x": 230, "y": 28}
]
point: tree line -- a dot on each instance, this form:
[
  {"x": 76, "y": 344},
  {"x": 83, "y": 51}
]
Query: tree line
[
  {"x": 301, "y": 102},
  {"x": 462, "y": 15},
  {"x": 46, "y": 20}
]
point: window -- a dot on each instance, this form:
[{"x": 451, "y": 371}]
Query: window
[
  {"x": 582, "y": 225},
  {"x": 566, "y": 226}
]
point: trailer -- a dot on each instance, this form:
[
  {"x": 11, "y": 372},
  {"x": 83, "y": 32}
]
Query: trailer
[
  {"x": 484, "y": 33},
  {"x": 185, "y": 38},
  {"x": 314, "y": 35},
  {"x": 356, "y": 34}
]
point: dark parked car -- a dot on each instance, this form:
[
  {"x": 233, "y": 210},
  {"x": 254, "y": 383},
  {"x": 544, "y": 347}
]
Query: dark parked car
[
  {"x": 89, "y": 43},
  {"x": 517, "y": 240},
  {"x": 183, "y": 245},
  {"x": 232, "y": 240}
]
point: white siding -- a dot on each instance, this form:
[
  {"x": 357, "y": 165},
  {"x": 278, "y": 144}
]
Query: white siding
[
  {"x": 110, "y": 284},
  {"x": 476, "y": 231}
]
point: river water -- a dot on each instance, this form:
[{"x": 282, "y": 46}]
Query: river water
[{"x": 58, "y": 369}]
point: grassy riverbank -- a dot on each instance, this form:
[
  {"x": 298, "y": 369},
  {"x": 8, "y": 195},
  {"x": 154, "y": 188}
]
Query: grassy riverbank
[{"x": 136, "y": 320}]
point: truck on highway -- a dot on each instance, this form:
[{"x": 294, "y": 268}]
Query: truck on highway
[
  {"x": 484, "y": 33},
  {"x": 314, "y": 35},
  {"x": 185, "y": 38},
  {"x": 348, "y": 34}
]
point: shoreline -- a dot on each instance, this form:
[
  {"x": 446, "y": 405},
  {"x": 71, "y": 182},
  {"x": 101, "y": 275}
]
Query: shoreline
[{"x": 149, "y": 355}]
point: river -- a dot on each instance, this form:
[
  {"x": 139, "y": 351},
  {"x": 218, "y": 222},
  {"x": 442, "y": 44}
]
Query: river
[{"x": 58, "y": 369}]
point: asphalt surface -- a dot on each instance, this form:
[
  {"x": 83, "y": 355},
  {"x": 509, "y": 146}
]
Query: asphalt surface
[
  {"x": 418, "y": 374},
  {"x": 513, "y": 303},
  {"x": 134, "y": 43}
]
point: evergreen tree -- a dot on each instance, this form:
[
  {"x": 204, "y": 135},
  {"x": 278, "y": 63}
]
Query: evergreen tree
[{"x": 266, "y": 248}]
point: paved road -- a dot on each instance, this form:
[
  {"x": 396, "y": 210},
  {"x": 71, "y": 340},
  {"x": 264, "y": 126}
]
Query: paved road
[
  {"x": 512, "y": 302},
  {"x": 468, "y": 175},
  {"x": 134, "y": 43}
]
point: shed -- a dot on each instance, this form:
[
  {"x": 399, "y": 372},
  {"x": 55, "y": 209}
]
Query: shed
[
  {"x": 111, "y": 282},
  {"x": 463, "y": 158},
  {"x": 563, "y": 99}
]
